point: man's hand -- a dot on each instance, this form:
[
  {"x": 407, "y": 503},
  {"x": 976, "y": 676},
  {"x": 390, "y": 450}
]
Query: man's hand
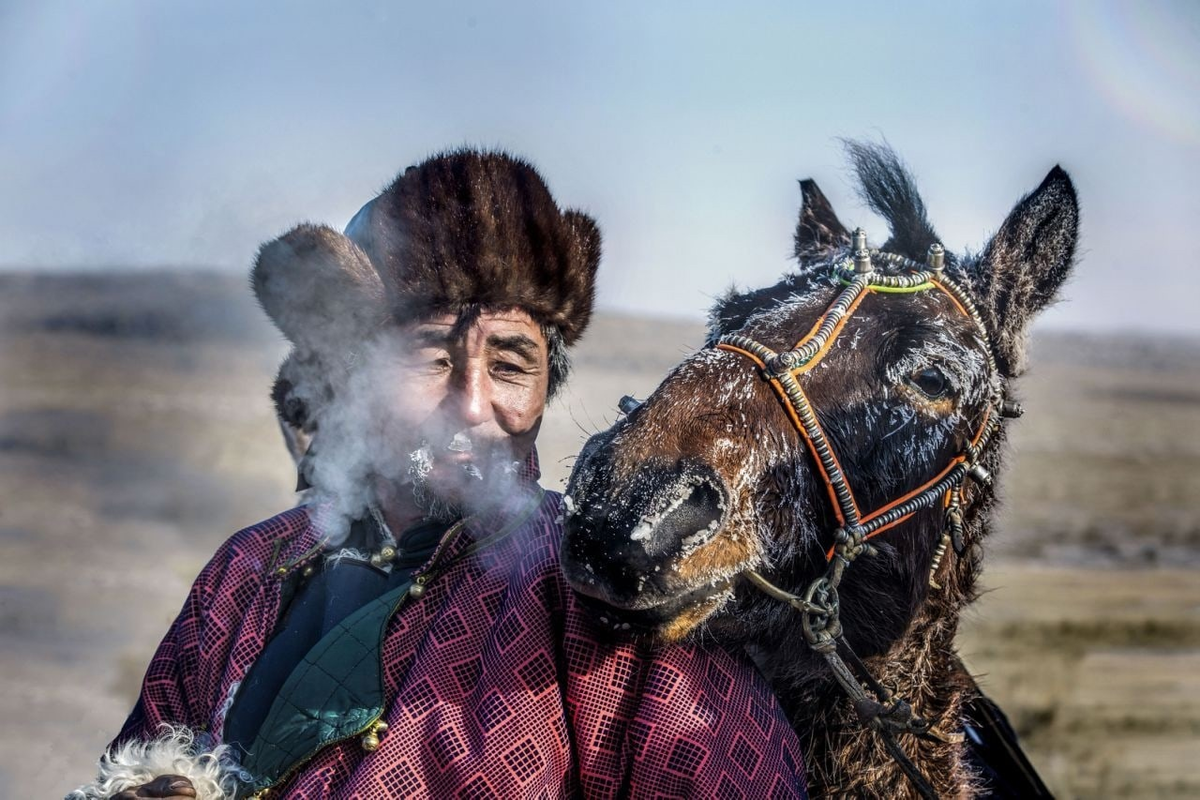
[{"x": 172, "y": 787}]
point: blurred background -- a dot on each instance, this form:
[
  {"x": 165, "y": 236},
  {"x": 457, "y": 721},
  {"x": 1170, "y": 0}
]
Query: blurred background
[{"x": 150, "y": 147}]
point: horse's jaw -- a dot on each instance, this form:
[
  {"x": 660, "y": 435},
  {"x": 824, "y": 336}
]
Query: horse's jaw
[
  {"x": 667, "y": 623},
  {"x": 625, "y": 594}
]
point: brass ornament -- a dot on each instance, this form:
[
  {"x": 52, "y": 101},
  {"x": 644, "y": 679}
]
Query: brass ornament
[{"x": 371, "y": 739}]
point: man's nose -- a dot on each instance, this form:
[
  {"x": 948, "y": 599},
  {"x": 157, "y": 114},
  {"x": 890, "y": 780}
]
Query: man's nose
[{"x": 475, "y": 401}]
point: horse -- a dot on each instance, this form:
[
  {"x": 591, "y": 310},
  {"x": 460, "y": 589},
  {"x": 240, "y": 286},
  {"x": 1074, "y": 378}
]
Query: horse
[{"x": 814, "y": 485}]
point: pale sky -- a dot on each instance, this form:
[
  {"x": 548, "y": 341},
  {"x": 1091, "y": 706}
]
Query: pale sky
[{"x": 185, "y": 133}]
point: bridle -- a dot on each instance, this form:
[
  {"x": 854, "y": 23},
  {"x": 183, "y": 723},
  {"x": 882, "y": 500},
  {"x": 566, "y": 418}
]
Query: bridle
[{"x": 877, "y": 708}]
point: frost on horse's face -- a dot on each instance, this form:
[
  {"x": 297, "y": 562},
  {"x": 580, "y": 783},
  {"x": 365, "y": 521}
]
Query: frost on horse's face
[{"x": 709, "y": 478}]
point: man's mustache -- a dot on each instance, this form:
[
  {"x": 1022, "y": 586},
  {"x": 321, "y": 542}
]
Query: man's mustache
[
  {"x": 492, "y": 456},
  {"x": 481, "y": 449}
]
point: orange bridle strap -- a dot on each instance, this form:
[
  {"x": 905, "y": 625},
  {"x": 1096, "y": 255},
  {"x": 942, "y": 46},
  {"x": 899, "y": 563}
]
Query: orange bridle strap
[{"x": 782, "y": 371}]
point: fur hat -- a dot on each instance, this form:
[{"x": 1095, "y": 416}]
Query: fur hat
[
  {"x": 460, "y": 229},
  {"x": 480, "y": 228}
]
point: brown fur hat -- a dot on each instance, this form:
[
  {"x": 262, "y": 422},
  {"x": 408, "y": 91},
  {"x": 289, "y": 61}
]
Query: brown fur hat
[
  {"x": 464, "y": 228},
  {"x": 480, "y": 228}
]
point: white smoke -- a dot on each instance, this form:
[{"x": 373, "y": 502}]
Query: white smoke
[{"x": 379, "y": 440}]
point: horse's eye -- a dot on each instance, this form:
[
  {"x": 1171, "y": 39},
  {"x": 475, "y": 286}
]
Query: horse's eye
[{"x": 930, "y": 382}]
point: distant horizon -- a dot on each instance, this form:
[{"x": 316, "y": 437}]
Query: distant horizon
[{"x": 670, "y": 317}]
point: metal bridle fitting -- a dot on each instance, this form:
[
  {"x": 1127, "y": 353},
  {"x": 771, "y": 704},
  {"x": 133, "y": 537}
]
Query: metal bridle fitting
[
  {"x": 977, "y": 473},
  {"x": 784, "y": 362},
  {"x": 935, "y": 259},
  {"x": 628, "y": 404},
  {"x": 1011, "y": 409},
  {"x": 862, "y": 256}
]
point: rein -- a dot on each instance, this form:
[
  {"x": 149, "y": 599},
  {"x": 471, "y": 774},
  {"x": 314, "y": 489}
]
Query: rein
[{"x": 876, "y": 707}]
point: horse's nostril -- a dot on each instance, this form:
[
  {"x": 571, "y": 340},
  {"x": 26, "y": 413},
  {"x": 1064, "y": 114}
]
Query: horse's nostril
[
  {"x": 627, "y": 551},
  {"x": 701, "y": 514},
  {"x": 686, "y": 524}
]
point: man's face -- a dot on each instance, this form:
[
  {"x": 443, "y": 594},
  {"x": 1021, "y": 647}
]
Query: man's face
[{"x": 465, "y": 409}]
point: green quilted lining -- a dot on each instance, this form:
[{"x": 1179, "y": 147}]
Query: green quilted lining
[{"x": 334, "y": 693}]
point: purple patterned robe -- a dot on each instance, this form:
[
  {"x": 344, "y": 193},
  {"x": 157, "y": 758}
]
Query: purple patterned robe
[{"x": 498, "y": 684}]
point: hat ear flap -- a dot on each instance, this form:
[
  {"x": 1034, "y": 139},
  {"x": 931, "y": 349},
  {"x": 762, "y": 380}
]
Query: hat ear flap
[
  {"x": 579, "y": 276},
  {"x": 302, "y": 389},
  {"x": 319, "y": 288}
]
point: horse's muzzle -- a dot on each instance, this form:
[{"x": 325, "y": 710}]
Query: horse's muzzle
[{"x": 626, "y": 551}]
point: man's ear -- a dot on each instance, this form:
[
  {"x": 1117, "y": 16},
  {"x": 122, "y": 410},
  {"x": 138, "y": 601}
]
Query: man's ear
[
  {"x": 1025, "y": 263},
  {"x": 818, "y": 230}
]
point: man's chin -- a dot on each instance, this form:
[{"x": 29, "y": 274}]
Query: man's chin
[
  {"x": 437, "y": 502},
  {"x": 460, "y": 487}
]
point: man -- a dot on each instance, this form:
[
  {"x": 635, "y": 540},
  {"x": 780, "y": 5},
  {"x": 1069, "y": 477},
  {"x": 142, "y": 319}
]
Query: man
[{"x": 408, "y": 633}]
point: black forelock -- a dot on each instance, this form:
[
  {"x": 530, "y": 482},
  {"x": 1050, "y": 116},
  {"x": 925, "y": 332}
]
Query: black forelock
[{"x": 886, "y": 185}]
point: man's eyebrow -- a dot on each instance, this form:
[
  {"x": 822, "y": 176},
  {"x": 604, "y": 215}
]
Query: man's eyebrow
[
  {"x": 517, "y": 343},
  {"x": 432, "y": 337}
]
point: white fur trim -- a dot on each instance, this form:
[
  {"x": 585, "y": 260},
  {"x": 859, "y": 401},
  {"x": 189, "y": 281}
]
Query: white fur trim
[{"x": 213, "y": 773}]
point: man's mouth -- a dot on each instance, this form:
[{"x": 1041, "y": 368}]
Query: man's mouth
[
  {"x": 463, "y": 460},
  {"x": 461, "y": 453},
  {"x": 461, "y": 443},
  {"x": 459, "y": 456}
]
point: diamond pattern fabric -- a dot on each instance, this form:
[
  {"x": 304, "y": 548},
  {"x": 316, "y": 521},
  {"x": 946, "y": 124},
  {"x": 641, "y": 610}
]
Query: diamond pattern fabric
[{"x": 496, "y": 684}]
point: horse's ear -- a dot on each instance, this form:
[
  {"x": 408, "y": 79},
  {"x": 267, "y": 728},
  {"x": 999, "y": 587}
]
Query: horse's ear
[
  {"x": 818, "y": 229},
  {"x": 1025, "y": 263}
]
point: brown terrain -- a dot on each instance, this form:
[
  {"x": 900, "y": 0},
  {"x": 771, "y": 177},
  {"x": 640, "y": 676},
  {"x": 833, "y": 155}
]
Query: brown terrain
[{"x": 136, "y": 434}]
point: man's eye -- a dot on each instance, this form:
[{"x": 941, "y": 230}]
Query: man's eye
[
  {"x": 506, "y": 368},
  {"x": 930, "y": 382}
]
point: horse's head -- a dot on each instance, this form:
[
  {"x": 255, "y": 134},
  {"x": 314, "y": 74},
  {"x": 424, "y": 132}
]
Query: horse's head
[{"x": 716, "y": 478}]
